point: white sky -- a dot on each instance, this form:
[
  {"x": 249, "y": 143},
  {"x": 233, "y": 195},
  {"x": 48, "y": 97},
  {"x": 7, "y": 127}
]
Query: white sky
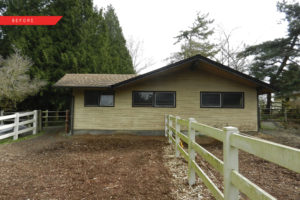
[{"x": 157, "y": 22}]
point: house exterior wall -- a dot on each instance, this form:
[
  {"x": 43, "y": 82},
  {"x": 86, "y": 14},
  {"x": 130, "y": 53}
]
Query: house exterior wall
[{"x": 188, "y": 84}]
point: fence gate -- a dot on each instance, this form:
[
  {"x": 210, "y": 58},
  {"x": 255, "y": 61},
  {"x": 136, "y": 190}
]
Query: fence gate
[{"x": 49, "y": 118}]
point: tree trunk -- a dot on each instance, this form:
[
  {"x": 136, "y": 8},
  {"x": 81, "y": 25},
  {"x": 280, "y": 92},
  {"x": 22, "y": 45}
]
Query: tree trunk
[
  {"x": 279, "y": 71},
  {"x": 268, "y": 106}
]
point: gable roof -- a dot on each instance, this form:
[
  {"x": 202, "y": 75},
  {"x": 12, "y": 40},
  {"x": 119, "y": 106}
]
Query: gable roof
[
  {"x": 118, "y": 80},
  {"x": 92, "y": 80}
]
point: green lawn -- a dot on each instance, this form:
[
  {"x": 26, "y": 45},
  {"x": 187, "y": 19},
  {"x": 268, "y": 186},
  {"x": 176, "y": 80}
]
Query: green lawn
[{"x": 21, "y": 138}]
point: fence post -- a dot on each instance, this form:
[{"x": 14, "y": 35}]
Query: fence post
[
  {"x": 28, "y": 118},
  {"x": 177, "y": 139},
  {"x": 46, "y": 118},
  {"x": 16, "y": 128},
  {"x": 285, "y": 115},
  {"x": 1, "y": 114},
  {"x": 191, "y": 152},
  {"x": 166, "y": 125},
  {"x": 67, "y": 121},
  {"x": 40, "y": 114},
  {"x": 34, "y": 122},
  {"x": 170, "y": 132},
  {"x": 56, "y": 116},
  {"x": 231, "y": 162}
]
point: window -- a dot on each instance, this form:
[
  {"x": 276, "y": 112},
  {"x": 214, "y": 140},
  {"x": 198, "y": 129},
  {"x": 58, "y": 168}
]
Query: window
[
  {"x": 221, "y": 99},
  {"x": 153, "y": 99},
  {"x": 98, "y": 98},
  {"x": 209, "y": 99},
  {"x": 91, "y": 98},
  {"x": 143, "y": 98},
  {"x": 106, "y": 100},
  {"x": 232, "y": 100},
  {"x": 165, "y": 99}
]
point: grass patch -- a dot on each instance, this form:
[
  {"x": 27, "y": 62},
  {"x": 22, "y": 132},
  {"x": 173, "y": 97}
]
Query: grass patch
[
  {"x": 21, "y": 138},
  {"x": 267, "y": 128}
]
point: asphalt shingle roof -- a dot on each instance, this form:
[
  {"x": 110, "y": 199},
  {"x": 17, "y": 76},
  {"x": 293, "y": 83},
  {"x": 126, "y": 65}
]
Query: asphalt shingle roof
[
  {"x": 118, "y": 80},
  {"x": 92, "y": 80}
]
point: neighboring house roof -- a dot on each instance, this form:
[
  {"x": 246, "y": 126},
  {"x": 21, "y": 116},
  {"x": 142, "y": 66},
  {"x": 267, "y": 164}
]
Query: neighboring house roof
[
  {"x": 73, "y": 80},
  {"x": 92, "y": 80}
]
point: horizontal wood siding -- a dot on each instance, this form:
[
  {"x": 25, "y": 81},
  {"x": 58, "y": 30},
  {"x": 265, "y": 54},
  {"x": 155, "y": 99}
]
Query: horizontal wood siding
[{"x": 188, "y": 84}]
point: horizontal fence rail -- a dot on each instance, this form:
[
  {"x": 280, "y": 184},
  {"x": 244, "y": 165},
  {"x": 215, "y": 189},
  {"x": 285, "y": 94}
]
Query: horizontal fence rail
[
  {"x": 45, "y": 118},
  {"x": 234, "y": 182},
  {"x": 19, "y": 123},
  {"x": 280, "y": 114}
]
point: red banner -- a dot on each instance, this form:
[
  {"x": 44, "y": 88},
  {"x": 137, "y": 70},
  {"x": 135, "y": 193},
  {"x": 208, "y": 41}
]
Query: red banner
[{"x": 29, "y": 20}]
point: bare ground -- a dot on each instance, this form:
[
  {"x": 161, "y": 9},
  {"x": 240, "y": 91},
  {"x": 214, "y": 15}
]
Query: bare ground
[
  {"x": 278, "y": 181},
  {"x": 84, "y": 167},
  {"x": 124, "y": 167}
]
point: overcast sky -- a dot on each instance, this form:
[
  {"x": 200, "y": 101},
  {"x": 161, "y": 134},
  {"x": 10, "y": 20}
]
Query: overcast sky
[{"x": 157, "y": 22}]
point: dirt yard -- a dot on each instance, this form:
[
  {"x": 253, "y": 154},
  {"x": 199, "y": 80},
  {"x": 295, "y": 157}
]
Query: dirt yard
[
  {"x": 278, "y": 181},
  {"x": 52, "y": 166},
  {"x": 84, "y": 167}
]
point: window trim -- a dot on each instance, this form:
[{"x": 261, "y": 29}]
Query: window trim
[
  {"x": 99, "y": 98},
  {"x": 221, "y": 96},
  {"x": 153, "y": 99}
]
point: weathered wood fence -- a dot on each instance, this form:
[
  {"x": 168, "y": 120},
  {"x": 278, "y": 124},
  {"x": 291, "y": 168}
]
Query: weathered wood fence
[
  {"x": 234, "y": 182},
  {"x": 281, "y": 115},
  {"x": 45, "y": 118},
  {"x": 49, "y": 118},
  {"x": 21, "y": 123}
]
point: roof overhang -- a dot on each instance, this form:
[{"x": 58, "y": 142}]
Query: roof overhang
[
  {"x": 195, "y": 61},
  {"x": 261, "y": 86}
]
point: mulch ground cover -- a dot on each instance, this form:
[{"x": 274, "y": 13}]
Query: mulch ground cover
[
  {"x": 278, "y": 181},
  {"x": 85, "y": 167},
  {"x": 121, "y": 167}
]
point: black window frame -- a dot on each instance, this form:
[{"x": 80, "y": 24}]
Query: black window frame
[
  {"x": 201, "y": 103},
  {"x": 85, "y": 98},
  {"x": 221, "y": 100},
  {"x": 143, "y": 105},
  {"x": 99, "y": 97},
  {"x": 153, "y": 105}
]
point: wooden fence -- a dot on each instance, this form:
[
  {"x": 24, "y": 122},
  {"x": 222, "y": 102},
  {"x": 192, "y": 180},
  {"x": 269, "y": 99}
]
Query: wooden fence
[
  {"x": 22, "y": 123},
  {"x": 46, "y": 118},
  {"x": 283, "y": 115},
  {"x": 234, "y": 182}
]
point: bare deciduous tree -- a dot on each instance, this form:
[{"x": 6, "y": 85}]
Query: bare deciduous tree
[
  {"x": 135, "y": 48},
  {"x": 228, "y": 52},
  {"x": 15, "y": 82}
]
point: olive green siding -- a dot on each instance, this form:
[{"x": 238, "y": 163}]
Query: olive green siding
[{"x": 188, "y": 84}]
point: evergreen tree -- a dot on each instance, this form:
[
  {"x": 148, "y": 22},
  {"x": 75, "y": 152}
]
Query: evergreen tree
[
  {"x": 276, "y": 60},
  {"x": 79, "y": 43},
  {"x": 120, "y": 57},
  {"x": 195, "y": 40}
]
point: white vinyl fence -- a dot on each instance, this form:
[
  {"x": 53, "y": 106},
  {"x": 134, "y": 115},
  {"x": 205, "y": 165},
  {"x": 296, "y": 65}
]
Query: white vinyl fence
[
  {"x": 234, "y": 181},
  {"x": 18, "y": 123}
]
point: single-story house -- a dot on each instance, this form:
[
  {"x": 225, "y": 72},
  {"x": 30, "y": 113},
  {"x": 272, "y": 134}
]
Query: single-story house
[{"x": 196, "y": 87}]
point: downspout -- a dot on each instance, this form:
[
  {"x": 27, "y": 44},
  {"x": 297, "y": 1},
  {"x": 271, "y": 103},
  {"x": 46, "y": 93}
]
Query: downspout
[
  {"x": 258, "y": 109},
  {"x": 72, "y": 116}
]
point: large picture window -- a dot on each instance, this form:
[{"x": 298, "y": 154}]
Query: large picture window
[
  {"x": 221, "y": 99},
  {"x": 153, "y": 99},
  {"x": 94, "y": 98}
]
